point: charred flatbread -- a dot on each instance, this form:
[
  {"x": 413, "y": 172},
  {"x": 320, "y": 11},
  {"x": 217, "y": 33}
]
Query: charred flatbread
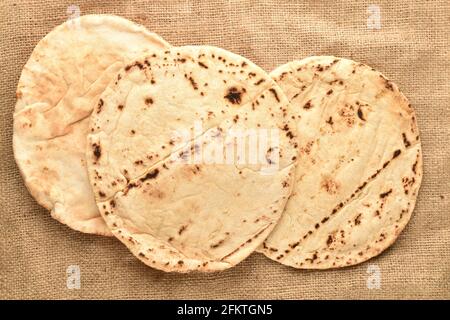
[
  {"x": 57, "y": 91},
  {"x": 173, "y": 212},
  {"x": 359, "y": 166}
]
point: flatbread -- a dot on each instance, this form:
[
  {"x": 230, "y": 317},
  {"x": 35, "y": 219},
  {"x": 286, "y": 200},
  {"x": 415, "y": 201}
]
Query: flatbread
[
  {"x": 57, "y": 91},
  {"x": 173, "y": 212},
  {"x": 359, "y": 169}
]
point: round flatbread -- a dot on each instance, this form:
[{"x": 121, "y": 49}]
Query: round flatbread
[
  {"x": 57, "y": 91},
  {"x": 359, "y": 167},
  {"x": 185, "y": 201}
]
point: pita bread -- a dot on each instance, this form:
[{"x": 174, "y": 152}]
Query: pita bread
[
  {"x": 172, "y": 212},
  {"x": 359, "y": 169},
  {"x": 57, "y": 90}
]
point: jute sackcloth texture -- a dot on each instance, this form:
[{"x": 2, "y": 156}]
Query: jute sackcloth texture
[{"x": 411, "y": 47}]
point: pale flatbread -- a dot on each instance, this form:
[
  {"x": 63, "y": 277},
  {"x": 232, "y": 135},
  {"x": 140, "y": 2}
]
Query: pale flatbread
[
  {"x": 359, "y": 169},
  {"x": 175, "y": 213},
  {"x": 57, "y": 91}
]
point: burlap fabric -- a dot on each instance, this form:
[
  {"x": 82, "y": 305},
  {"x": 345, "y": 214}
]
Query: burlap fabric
[{"x": 411, "y": 48}]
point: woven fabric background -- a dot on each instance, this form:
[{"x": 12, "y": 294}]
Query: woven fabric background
[{"x": 411, "y": 48}]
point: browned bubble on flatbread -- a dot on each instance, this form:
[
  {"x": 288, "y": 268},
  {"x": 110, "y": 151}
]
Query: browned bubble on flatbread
[
  {"x": 178, "y": 216},
  {"x": 359, "y": 169},
  {"x": 57, "y": 91}
]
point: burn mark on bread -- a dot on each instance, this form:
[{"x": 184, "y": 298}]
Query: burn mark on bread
[
  {"x": 389, "y": 85},
  {"x": 396, "y": 153},
  {"x": 330, "y": 240},
  {"x": 313, "y": 258},
  {"x": 201, "y": 64},
  {"x": 405, "y": 140},
  {"x": 217, "y": 244},
  {"x": 182, "y": 229},
  {"x": 360, "y": 114},
  {"x": 337, "y": 208},
  {"x": 408, "y": 183},
  {"x": 336, "y": 81},
  {"x": 330, "y": 121},
  {"x": 307, "y": 105},
  {"x": 234, "y": 95},
  {"x": 275, "y": 94},
  {"x": 295, "y": 95},
  {"x": 100, "y": 105},
  {"x": 193, "y": 83},
  {"x": 385, "y": 194},
  {"x": 97, "y": 151},
  {"x": 357, "y": 220},
  {"x": 294, "y": 245},
  {"x": 281, "y": 77},
  {"x": 289, "y": 133},
  {"x": 259, "y": 82},
  {"x": 151, "y": 175},
  {"x": 136, "y": 64},
  {"x": 148, "y": 101},
  {"x": 129, "y": 187},
  {"x": 329, "y": 185},
  {"x": 414, "y": 167}
]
